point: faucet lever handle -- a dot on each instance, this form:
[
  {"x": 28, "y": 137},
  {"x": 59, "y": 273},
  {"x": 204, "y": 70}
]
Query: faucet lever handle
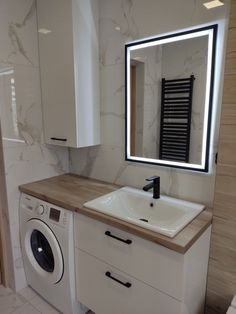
[{"x": 153, "y": 178}]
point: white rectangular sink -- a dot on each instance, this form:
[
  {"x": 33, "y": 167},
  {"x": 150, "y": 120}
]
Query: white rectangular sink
[{"x": 165, "y": 215}]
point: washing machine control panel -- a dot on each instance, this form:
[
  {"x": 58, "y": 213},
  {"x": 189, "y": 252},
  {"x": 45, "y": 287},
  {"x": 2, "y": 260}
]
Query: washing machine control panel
[
  {"x": 58, "y": 216},
  {"x": 52, "y": 213},
  {"x": 46, "y": 211}
]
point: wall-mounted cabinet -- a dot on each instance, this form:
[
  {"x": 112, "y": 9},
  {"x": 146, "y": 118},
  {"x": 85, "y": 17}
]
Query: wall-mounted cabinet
[{"x": 69, "y": 66}]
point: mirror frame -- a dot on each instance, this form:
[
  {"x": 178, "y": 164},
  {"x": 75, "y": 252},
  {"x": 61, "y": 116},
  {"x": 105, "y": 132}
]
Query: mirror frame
[{"x": 211, "y": 31}]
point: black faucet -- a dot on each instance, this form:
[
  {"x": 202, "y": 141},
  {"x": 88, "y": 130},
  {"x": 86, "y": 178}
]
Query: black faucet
[{"x": 155, "y": 184}]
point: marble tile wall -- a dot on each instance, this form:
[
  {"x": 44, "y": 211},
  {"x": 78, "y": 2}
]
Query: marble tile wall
[
  {"x": 122, "y": 21},
  {"x": 26, "y": 157}
]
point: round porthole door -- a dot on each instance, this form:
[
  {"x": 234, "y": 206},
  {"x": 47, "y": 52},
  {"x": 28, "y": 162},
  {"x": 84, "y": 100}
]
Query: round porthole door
[{"x": 43, "y": 251}]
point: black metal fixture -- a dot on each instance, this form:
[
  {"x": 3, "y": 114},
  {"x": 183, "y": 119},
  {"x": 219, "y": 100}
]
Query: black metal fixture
[
  {"x": 126, "y": 284},
  {"x": 155, "y": 185},
  {"x": 58, "y": 139},
  {"x": 108, "y": 233},
  {"x": 176, "y": 113}
]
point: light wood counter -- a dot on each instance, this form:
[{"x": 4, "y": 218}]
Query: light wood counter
[{"x": 71, "y": 192}]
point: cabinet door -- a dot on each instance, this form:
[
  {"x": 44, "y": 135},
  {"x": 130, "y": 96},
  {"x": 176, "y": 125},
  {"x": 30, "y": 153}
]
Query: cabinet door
[
  {"x": 57, "y": 71},
  {"x": 149, "y": 262},
  {"x": 99, "y": 290},
  {"x": 69, "y": 66}
]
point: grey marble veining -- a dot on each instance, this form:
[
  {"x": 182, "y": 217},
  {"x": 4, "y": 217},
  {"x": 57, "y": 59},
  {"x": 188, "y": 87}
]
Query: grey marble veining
[
  {"x": 120, "y": 22},
  {"x": 26, "y": 157},
  {"x": 19, "y": 21},
  {"x": 118, "y": 30},
  {"x": 17, "y": 43}
]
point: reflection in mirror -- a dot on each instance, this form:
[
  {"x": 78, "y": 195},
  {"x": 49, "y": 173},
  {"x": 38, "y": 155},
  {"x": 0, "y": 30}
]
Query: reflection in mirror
[
  {"x": 8, "y": 105},
  {"x": 168, "y": 98}
]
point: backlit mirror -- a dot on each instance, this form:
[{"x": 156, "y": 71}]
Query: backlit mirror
[{"x": 169, "y": 87}]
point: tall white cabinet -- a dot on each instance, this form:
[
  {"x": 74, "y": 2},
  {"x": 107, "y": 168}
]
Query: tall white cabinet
[{"x": 69, "y": 66}]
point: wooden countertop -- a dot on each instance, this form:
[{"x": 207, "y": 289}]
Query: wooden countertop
[{"x": 71, "y": 192}]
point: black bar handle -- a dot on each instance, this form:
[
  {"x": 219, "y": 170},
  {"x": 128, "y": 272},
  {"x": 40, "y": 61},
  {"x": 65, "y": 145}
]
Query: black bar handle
[
  {"x": 126, "y": 284},
  {"x": 58, "y": 139},
  {"x": 108, "y": 233}
]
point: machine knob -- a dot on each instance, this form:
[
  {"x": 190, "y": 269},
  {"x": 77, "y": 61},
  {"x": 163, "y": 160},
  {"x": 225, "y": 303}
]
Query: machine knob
[{"x": 40, "y": 210}]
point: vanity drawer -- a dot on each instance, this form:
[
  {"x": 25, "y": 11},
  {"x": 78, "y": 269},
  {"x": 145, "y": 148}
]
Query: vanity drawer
[
  {"x": 104, "y": 295},
  {"x": 151, "y": 263}
]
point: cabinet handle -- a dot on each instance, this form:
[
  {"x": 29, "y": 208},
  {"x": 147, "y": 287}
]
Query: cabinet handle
[
  {"x": 126, "y": 284},
  {"x": 58, "y": 139},
  {"x": 108, "y": 233}
]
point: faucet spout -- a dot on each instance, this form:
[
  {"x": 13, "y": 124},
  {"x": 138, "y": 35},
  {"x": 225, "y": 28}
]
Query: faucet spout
[{"x": 147, "y": 187}]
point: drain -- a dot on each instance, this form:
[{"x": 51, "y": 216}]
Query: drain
[{"x": 143, "y": 219}]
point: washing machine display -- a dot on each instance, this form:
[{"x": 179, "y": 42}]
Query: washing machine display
[{"x": 54, "y": 214}]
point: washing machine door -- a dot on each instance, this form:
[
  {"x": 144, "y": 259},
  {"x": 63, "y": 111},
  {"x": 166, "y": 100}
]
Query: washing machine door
[{"x": 43, "y": 251}]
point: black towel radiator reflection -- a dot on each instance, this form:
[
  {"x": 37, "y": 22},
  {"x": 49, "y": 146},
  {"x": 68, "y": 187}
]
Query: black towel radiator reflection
[{"x": 175, "y": 124}]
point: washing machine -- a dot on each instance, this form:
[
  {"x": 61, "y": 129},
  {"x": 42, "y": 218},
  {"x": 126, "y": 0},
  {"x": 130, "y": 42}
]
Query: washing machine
[{"x": 47, "y": 242}]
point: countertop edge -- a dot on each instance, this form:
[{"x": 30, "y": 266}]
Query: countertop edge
[{"x": 170, "y": 243}]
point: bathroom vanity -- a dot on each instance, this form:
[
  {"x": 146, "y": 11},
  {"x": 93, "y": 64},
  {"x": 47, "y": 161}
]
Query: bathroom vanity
[
  {"x": 139, "y": 276},
  {"x": 124, "y": 268}
]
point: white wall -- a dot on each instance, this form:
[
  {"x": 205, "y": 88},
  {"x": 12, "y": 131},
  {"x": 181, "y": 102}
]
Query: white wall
[
  {"x": 122, "y": 21},
  {"x": 26, "y": 158},
  {"x": 152, "y": 61}
]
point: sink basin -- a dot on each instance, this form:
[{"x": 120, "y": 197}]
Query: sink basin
[{"x": 165, "y": 215}]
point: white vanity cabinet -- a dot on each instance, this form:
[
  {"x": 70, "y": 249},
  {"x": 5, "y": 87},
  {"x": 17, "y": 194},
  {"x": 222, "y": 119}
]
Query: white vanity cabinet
[
  {"x": 69, "y": 66},
  {"x": 137, "y": 276}
]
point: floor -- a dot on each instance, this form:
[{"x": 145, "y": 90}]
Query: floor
[{"x": 24, "y": 302}]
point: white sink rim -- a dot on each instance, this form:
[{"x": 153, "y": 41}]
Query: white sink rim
[{"x": 192, "y": 210}]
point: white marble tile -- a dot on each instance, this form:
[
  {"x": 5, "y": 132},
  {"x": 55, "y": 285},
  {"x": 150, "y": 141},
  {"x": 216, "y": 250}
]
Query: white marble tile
[
  {"x": 5, "y": 291},
  {"x": 122, "y": 21},
  {"x": 112, "y": 105},
  {"x": 18, "y": 33},
  {"x": 42, "y": 306},
  {"x": 26, "y": 309},
  {"x": 20, "y": 104},
  {"x": 117, "y": 27},
  {"x": 102, "y": 162},
  {"x": 29, "y": 163},
  {"x": 9, "y": 301},
  {"x": 25, "y": 302},
  {"x": 27, "y": 293}
]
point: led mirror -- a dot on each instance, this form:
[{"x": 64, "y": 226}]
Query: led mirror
[{"x": 169, "y": 87}]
